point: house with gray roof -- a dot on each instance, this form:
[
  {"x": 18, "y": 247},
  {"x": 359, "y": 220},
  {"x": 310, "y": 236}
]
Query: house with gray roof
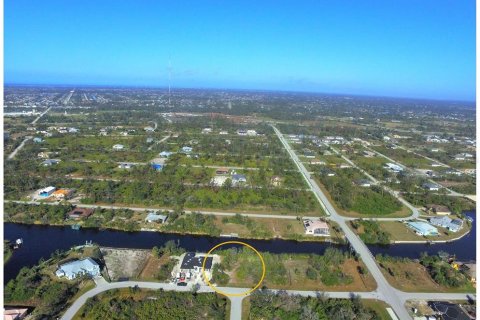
[{"x": 77, "y": 268}]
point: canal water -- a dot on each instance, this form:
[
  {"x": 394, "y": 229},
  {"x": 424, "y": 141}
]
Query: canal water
[{"x": 42, "y": 241}]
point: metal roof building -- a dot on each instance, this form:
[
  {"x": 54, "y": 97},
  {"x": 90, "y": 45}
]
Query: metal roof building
[{"x": 423, "y": 228}]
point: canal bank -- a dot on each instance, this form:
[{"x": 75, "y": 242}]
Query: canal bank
[{"x": 42, "y": 241}]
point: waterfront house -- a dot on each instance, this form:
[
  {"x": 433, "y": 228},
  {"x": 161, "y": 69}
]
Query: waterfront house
[
  {"x": 76, "y": 268},
  {"x": 316, "y": 227},
  {"x": 438, "y": 210},
  {"x": 443, "y": 222},
  {"x": 79, "y": 213},
  {"x": 422, "y": 228},
  {"x": 193, "y": 263},
  {"x": 153, "y": 217}
]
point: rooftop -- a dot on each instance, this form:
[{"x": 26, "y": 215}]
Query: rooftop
[{"x": 191, "y": 260}]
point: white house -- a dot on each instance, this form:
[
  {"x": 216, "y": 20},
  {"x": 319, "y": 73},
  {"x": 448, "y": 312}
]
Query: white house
[
  {"x": 153, "y": 217},
  {"x": 187, "y": 149},
  {"x": 316, "y": 227},
  {"x": 393, "y": 167},
  {"x": 76, "y": 268},
  {"x": 118, "y": 147},
  {"x": 46, "y": 192},
  {"x": 238, "y": 178},
  {"x": 431, "y": 186}
]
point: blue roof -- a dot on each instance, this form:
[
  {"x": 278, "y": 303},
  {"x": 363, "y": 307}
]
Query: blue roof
[{"x": 423, "y": 227}]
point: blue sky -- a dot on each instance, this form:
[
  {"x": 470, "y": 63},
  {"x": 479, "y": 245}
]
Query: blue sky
[{"x": 406, "y": 48}]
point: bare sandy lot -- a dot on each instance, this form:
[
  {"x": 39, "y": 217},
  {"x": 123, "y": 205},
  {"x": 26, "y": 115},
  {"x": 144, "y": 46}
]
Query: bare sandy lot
[{"x": 124, "y": 264}]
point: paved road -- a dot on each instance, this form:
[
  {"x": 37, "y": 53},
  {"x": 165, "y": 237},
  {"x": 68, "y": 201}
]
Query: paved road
[
  {"x": 160, "y": 141},
  {"x": 217, "y": 213},
  {"x": 236, "y": 302},
  {"x": 384, "y": 288},
  {"x": 17, "y": 149},
  {"x": 41, "y": 115}
]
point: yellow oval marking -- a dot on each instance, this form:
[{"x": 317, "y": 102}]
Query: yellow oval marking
[{"x": 234, "y": 294}]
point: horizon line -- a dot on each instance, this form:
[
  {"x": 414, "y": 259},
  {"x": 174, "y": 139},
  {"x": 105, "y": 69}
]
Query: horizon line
[{"x": 238, "y": 89}]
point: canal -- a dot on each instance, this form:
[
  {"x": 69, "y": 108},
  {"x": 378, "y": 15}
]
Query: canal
[{"x": 42, "y": 241}]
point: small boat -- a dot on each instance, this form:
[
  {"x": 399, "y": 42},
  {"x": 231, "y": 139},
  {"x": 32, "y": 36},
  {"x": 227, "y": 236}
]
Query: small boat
[
  {"x": 469, "y": 218},
  {"x": 75, "y": 227},
  {"x": 18, "y": 243}
]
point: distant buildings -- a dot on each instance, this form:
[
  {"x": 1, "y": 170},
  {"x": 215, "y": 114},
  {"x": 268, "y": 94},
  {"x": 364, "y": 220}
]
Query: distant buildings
[
  {"x": 78, "y": 268},
  {"x": 187, "y": 149},
  {"x": 158, "y": 164},
  {"x": 222, "y": 171},
  {"x": 462, "y": 156},
  {"x": 393, "y": 167},
  {"x": 125, "y": 165},
  {"x": 430, "y": 186},
  {"x": 363, "y": 183},
  {"x": 165, "y": 154},
  {"x": 46, "y": 192},
  {"x": 50, "y": 162},
  {"x": 238, "y": 178},
  {"x": 63, "y": 194},
  {"x": 118, "y": 147}
]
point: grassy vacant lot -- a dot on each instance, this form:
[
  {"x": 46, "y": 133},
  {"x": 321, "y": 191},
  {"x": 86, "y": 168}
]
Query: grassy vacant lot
[
  {"x": 333, "y": 271},
  {"x": 373, "y": 165},
  {"x": 411, "y": 276},
  {"x": 400, "y": 232},
  {"x": 403, "y": 212},
  {"x": 379, "y": 306},
  {"x": 153, "y": 266},
  {"x": 247, "y": 227},
  {"x": 406, "y": 158}
]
